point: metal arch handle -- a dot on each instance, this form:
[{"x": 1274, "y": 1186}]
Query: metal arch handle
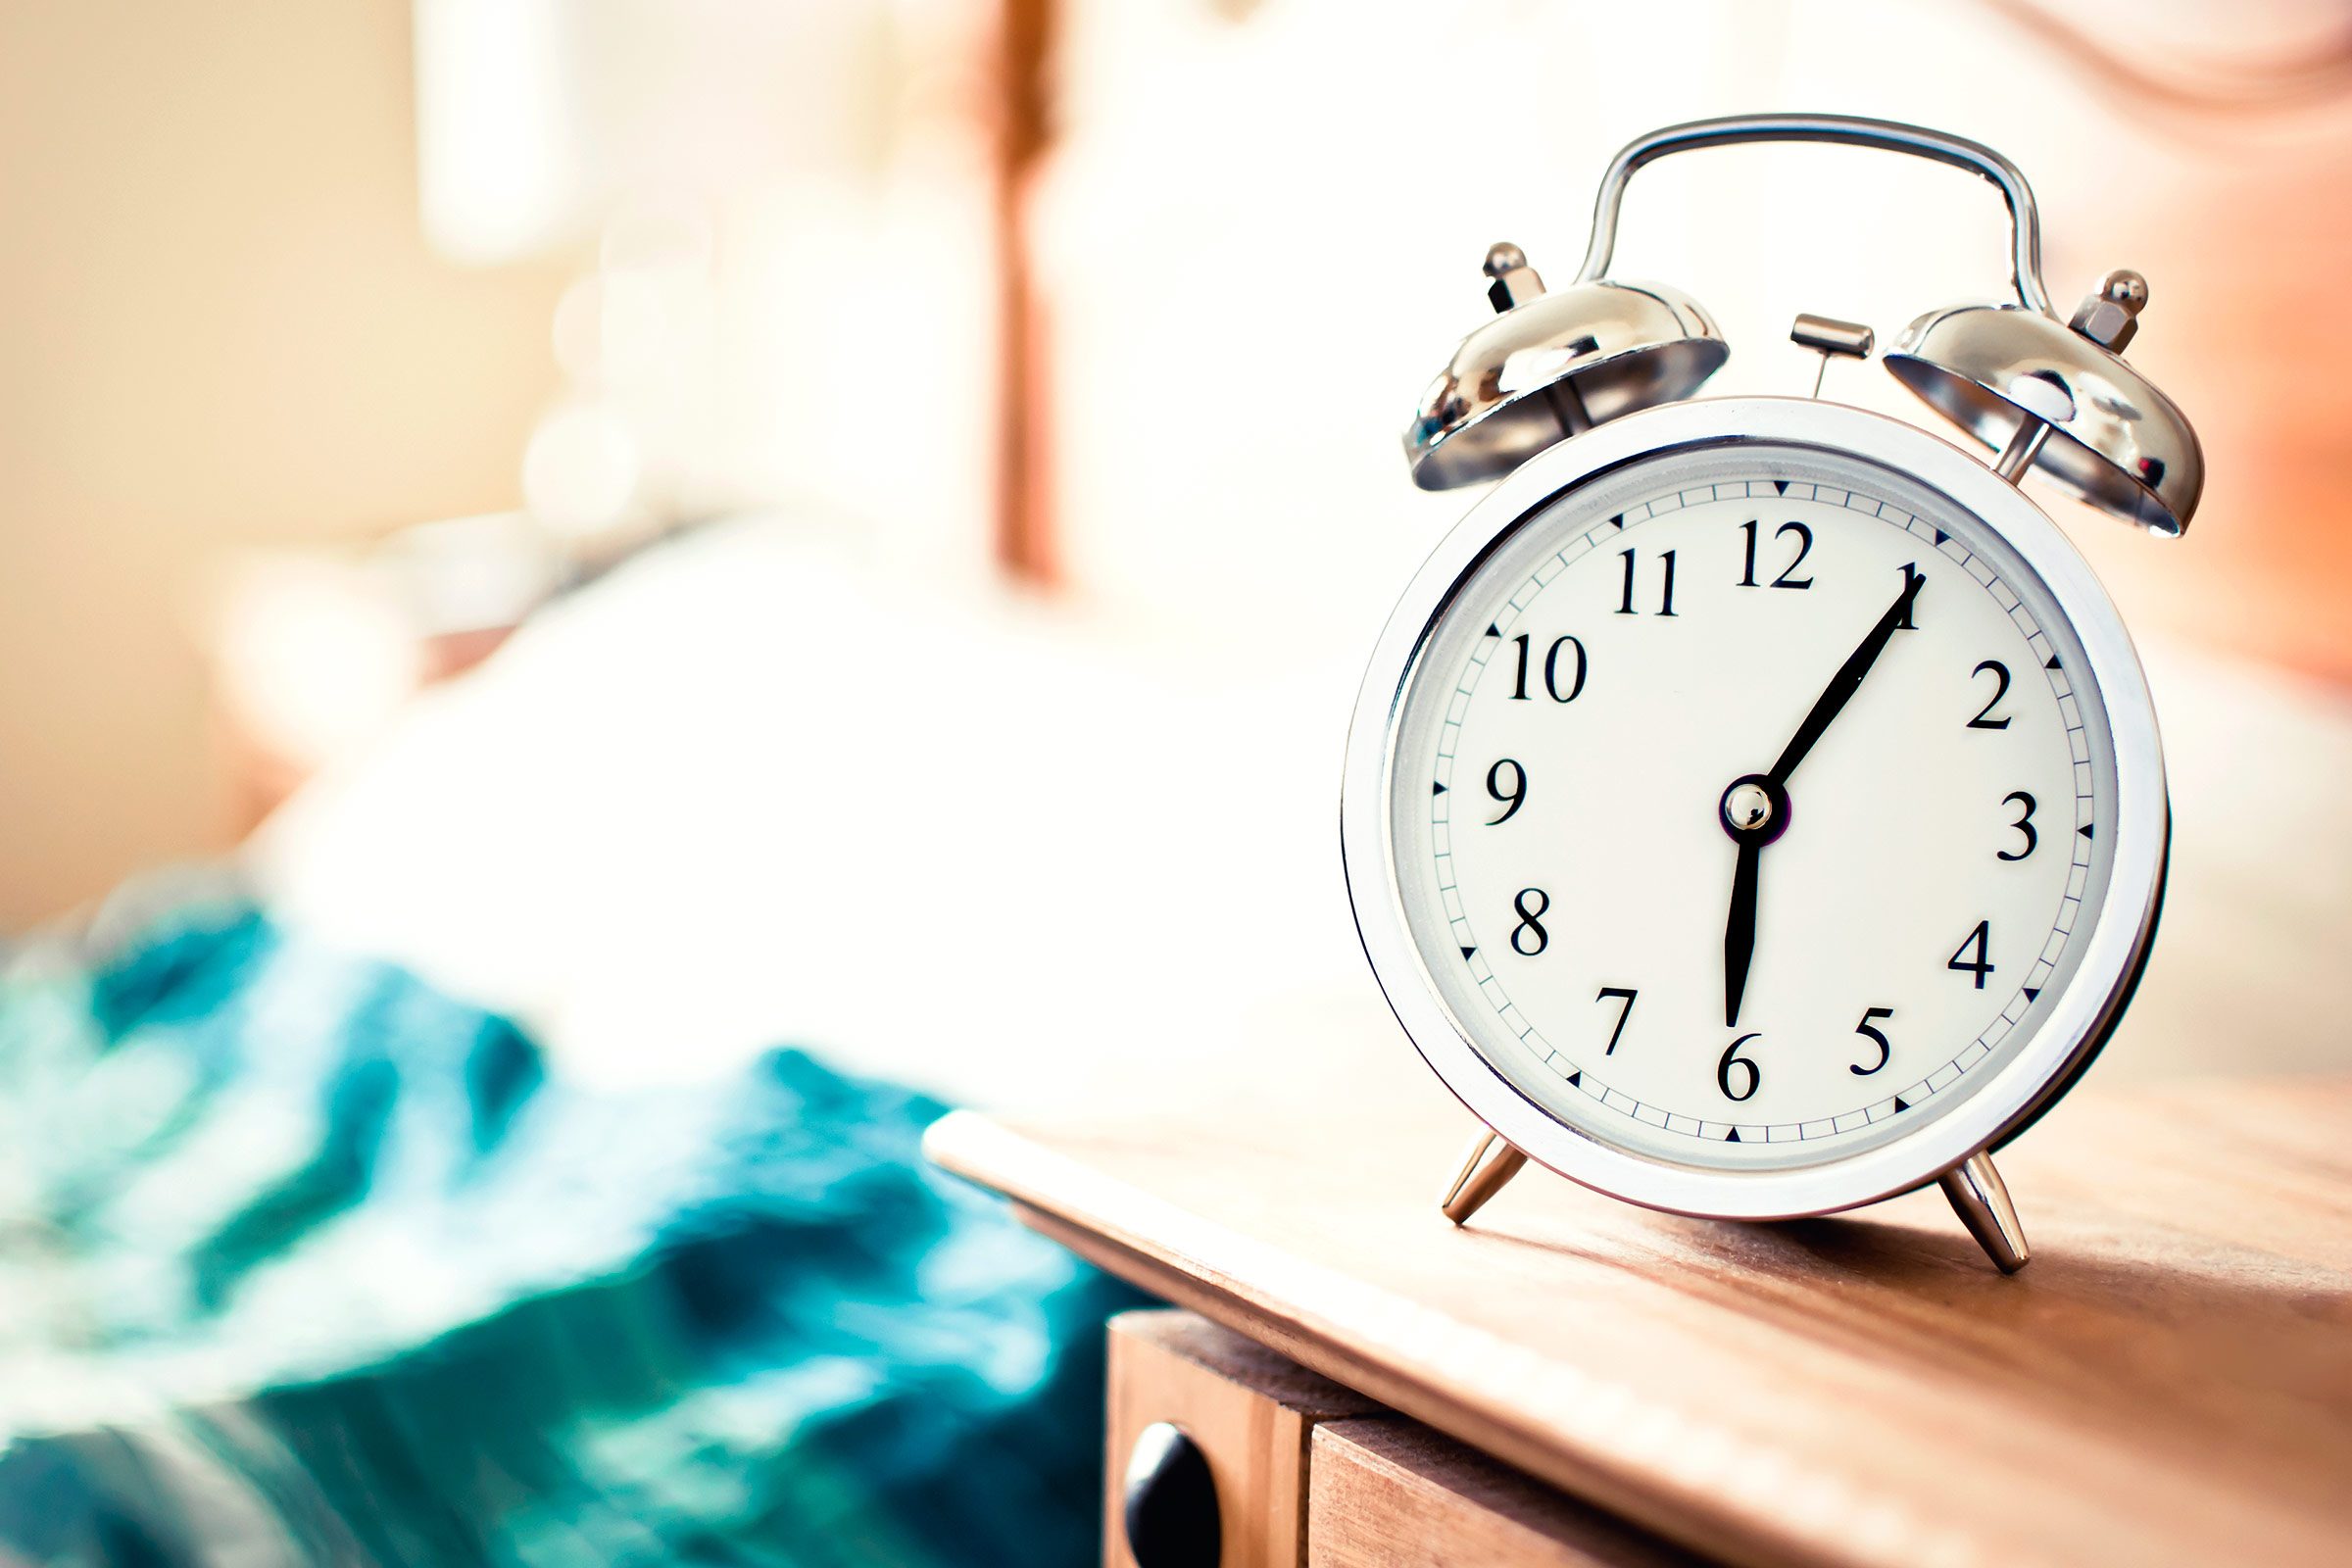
[{"x": 1884, "y": 135}]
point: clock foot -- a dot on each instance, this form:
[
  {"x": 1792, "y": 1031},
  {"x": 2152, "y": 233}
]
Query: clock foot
[
  {"x": 1982, "y": 1199},
  {"x": 1487, "y": 1168}
]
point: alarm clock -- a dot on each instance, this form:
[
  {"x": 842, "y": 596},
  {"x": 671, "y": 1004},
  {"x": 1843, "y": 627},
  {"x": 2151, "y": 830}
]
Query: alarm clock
[{"x": 1754, "y": 807}]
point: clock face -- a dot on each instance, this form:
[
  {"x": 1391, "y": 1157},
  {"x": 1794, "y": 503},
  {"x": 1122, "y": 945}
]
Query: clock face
[{"x": 1747, "y": 805}]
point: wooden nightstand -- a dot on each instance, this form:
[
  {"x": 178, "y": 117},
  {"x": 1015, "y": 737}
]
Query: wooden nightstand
[{"x": 1572, "y": 1380}]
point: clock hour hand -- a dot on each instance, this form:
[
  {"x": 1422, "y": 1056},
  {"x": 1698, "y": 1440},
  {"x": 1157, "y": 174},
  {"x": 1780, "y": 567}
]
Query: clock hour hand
[
  {"x": 1847, "y": 681},
  {"x": 1740, "y": 930}
]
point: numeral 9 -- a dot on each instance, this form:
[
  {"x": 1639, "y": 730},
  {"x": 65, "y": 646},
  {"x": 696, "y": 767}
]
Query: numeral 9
[{"x": 1514, "y": 793}]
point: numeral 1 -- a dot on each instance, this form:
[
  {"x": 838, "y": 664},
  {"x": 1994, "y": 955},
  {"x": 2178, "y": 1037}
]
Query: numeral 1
[{"x": 1910, "y": 576}]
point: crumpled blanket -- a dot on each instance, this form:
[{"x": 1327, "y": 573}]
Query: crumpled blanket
[{"x": 304, "y": 1262}]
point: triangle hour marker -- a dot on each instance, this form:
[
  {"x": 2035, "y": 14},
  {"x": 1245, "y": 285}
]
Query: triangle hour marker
[
  {"x": 1436, "y": 788},
  {"x": 1900, "y": 1104},
  {"x": 1782, "y": 486},
  {"x": 1466, "y": 952},
  {"x": 1494, "y": 630},
  {"x": 1731, "y": 1137},
  {"x": 2085, "y": 830},
  {"x": 2032, "y": 992},
  {"x": 1941, "y": 536},
  {"x": 2052, "y": 662},
  {"x": 1574, "y": 1078}
]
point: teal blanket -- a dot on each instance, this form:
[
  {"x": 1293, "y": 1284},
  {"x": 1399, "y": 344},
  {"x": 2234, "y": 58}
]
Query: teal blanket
[{"x": 301, "y": 1261}]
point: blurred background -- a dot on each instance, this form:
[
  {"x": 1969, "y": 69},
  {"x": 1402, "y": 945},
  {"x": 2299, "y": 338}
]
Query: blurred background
[
  {"x": 696, "y": 524},
  {"x": 837, "y": 393}
]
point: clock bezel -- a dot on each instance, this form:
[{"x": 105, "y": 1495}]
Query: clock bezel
[{"x": 2075, "y": 1025}]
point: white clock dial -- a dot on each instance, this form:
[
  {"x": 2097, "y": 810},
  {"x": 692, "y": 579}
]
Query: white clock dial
[{"x": 1917, "y": 843}]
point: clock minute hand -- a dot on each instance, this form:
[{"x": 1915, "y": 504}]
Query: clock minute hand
[
  {"x": 1842, "y": 685},
  {"x": 1740, "y": 925}
]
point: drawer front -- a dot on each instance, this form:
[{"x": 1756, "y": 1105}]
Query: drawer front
[
  {"x": 1302, "y": 1471},
  {"x": 1247, "y": 1410},
  {"x": 1389, "y": 1493}
]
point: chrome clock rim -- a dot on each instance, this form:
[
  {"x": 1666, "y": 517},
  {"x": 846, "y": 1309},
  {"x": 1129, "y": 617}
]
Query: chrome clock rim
[{"x": 2075, "y": 1025}]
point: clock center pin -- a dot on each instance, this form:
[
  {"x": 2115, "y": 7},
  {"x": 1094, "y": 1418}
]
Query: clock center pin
[{"x": 1752, "y": 808}]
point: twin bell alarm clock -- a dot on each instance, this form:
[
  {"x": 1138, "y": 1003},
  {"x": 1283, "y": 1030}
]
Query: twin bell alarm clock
[{"x": 1754, "y": 807}]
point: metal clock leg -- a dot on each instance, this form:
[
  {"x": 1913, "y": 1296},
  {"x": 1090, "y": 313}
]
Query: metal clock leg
[
  {"x": 1982, "y": 1199},
  {"x": 1487, "y": 1167}
]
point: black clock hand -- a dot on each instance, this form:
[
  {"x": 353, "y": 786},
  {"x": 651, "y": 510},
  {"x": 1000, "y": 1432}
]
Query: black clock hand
[
  {"x": 1740, "y": 930},
  {"x": 1755, "y": 808},
  {"x": 1843, "y": 684}
]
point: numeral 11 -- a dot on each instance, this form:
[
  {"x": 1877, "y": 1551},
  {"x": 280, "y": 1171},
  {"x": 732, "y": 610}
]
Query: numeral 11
[{"x": 1625, "y": 604}]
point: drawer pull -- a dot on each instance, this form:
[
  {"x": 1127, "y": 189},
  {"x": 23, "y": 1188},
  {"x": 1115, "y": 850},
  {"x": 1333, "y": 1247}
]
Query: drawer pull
[{"x": 1171, "y": 1502}]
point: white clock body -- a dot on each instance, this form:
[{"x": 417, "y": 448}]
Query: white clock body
[{"x": 1963, "y": 871}]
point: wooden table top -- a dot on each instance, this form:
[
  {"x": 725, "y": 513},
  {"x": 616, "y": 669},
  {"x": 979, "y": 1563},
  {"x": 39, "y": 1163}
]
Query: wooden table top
[{"x": 2170, "y": 1379}]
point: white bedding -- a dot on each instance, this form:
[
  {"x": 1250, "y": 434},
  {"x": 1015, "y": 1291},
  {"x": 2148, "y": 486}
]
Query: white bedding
[{"x": 748, "y": 791}]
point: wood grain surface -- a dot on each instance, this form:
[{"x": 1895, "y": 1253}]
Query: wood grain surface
[
  {"x": 1387, "y": 1493},
  {"x": 2169, "y": 1381}
]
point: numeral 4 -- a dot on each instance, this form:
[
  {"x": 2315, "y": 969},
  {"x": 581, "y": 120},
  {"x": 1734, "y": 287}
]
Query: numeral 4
[{"x": 1980, "y": 940}]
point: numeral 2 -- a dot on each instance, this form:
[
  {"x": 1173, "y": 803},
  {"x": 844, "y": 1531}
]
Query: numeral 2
[
  {"x": 1625, "y": 604},
  {"x": 2000, "y": 674},
  {"x": 1804, "y": 548}
]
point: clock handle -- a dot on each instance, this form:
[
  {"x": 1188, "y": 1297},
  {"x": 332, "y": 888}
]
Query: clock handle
[{"x": 1883, "y": 136}]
